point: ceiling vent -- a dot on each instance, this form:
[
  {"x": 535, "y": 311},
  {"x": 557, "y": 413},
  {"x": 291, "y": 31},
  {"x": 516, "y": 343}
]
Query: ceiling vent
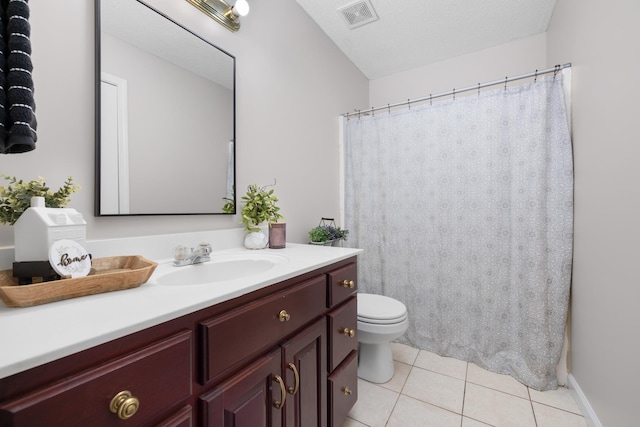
[{"x": 358, "y": 13}]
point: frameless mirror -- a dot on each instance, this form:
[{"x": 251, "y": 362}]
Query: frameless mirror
[{"x": 165, "y": 116}]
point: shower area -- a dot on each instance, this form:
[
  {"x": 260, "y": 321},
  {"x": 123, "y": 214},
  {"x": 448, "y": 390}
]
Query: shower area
[{"x": 464, "y": 208}]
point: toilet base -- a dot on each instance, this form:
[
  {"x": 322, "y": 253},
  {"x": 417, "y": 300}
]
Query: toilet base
[{"x": 375, "y": 362}]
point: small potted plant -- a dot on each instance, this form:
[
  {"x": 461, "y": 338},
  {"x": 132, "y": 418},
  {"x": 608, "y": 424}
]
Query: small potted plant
[
  {"x": 327, "y": 233},
  {"x": 15, "y": 198},
  {"x": 260, "y": 207}
]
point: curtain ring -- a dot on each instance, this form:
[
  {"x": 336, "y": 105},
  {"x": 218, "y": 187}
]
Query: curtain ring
[
  {"x": 372, "y": 112},
  {"x": 478, "y": 89},
  {"x": 409, "y": 103},
  {"x": 535, "y": 79},
  {"x": 358, "y": 113},
  {"x": 454, "y": 93},
  {"x": 430, "y": 103},
  {"x": 555, "y": 71},
  {"x": 389, "y": 108},
  {"x": 505, "y": 82}
]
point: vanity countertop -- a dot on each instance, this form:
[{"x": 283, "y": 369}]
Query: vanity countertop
[{"x": 32, "y": 336}]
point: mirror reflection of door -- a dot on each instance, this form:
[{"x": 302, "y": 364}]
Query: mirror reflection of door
[{"x": 114, "y": 151}]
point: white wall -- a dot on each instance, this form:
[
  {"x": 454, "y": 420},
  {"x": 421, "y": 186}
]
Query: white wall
[
  {"x": 510, "y": 59},
  {"x": 292, "y": 84},
  {"x": 601, "y": 40}
]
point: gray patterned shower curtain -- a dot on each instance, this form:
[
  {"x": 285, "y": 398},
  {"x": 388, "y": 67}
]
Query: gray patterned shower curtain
[{"x": 465, "y": 211}]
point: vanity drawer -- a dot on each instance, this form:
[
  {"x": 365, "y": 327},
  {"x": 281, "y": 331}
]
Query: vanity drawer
[
  {"x": 158, "y": 376},
  {"x": 182, "y": 418},
  {"x": 343, "y": 283},
  {"x": 231, "y": 339},
  {"x": 343, "y": 390},
  {"x": 343, "y": 339}
]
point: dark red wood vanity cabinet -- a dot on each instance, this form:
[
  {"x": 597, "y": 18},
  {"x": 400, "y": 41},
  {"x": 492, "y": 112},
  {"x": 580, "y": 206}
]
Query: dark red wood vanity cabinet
[{"x": 281, "y": 356}]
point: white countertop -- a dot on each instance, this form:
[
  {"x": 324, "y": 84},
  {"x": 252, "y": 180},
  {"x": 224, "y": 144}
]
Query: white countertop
[{"x": 32, "y": 336}]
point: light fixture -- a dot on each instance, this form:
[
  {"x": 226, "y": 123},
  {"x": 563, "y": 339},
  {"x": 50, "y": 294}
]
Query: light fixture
[{"x": 222, "y": 12}]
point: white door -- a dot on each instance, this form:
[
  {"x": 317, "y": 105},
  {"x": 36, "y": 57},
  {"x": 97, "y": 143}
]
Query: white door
[{"x": 114, "y": 152}]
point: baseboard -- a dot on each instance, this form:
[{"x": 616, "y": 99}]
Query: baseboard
[{"x": 589, "y": 414}]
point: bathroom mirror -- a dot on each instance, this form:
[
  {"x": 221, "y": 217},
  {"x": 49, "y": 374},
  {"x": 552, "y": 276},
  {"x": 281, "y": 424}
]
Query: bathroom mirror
[{"x": 165, "y": 116}]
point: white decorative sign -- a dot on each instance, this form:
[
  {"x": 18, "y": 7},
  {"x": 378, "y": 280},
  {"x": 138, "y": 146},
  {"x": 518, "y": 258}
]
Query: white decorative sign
[{"x": 69, "y": 259}]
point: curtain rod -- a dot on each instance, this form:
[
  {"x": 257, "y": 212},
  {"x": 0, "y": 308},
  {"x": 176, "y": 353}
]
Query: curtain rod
[{"x": 453, "y": 92}]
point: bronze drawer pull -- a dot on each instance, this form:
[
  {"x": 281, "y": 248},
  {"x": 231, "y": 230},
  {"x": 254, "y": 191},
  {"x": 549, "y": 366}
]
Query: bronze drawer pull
[
  {"x": 293, "y": 390},
  {"x": 349, "y": 332},
  {"x": 347, "y": 283},
  {"x": 283, "y": 393},
  {"x": 284, "y": 316},
  {"x": 124, "y": 404},
  {"x": 346, "y": 391}
]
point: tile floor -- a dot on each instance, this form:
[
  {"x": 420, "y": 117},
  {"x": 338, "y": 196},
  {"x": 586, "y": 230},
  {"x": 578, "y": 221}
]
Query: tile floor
[{"x": 432, "y": 391}]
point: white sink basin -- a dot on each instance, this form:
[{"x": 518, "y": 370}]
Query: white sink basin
[{"x": 221, "y": 268}]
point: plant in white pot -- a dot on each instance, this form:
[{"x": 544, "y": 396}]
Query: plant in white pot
[{"x": 260, "y": 207}]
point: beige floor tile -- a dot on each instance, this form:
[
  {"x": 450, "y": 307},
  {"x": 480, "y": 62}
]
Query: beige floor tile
[
  {"x": 443, "y": 365},
  {"x": 404, "y": 353},
  {"x": 414, "y": 413},
  {"x": 504, "y": 383},
  {"x": 560, "y": 398},
  {"x": 374, "y": 404},
  {"x": 353, "y": 423},
  {"x": 497, "y": 408},
  {"x": 436, "y": 389},
  {"x": 546, "y": 416},
  {"x": 468, "y": 422},
  {"x": 400, "y": 374}
]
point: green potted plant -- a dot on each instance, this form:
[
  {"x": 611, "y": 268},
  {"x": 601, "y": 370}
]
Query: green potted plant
[
  {"x": 15, "y": 198},
  {"x": 327, "y": 233},
  {"x": 260, "y": 207}
]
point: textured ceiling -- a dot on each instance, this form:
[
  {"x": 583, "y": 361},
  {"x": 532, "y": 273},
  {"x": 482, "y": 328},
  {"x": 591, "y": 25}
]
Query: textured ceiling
[{"x": 412, "y": 33}]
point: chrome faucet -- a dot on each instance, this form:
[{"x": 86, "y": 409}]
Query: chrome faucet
[{"x": 183, "y": 255}]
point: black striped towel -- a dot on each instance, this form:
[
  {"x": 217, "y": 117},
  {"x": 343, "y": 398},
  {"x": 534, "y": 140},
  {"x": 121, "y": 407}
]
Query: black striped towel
[{"x": 17, "y": 107}]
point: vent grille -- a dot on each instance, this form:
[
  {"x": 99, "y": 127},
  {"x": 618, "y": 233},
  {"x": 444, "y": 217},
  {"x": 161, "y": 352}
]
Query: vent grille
[{"x": 358, "y": 13}]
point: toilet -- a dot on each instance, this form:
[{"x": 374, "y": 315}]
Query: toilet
[{"x": 381, "y": 319}]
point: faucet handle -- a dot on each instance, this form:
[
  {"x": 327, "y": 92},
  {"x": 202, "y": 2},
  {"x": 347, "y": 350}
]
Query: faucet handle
[
  {"x": 205, "y": 248},
  {"x": 181, "y": 252}
]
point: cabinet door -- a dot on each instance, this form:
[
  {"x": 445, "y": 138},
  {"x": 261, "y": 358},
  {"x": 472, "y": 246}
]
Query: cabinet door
[
  {"x": 343, "y": 339},
  {"x": 253, "y": 397},
  {"x": 305, "y": 371},
  {"x": 343, "y": 390}
]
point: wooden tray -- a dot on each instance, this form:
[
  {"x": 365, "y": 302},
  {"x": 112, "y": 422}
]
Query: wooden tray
[{"x": 107, "y": 274}]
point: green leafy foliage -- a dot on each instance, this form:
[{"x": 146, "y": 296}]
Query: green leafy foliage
[
  {"x": 260, "y": 205},
  {"x": 229, "y": 206},
  {"x": 15, "y": 198},
  {"x": 325, "y": 233}
]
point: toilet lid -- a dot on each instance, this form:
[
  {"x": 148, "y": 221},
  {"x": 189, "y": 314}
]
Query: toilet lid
[{"x": 380, "y": 309}]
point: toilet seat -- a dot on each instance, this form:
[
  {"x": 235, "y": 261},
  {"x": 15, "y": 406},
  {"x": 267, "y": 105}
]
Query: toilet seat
[{"x": 380, "y": 310}]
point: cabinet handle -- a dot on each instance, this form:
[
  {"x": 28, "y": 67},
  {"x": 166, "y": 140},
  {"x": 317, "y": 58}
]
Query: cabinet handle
[
  {"x": 283, "y": 392},
  {"x": 294, "y": 390},
  {"x": 347, "y": 283},
  {"x": 124, "y": 404},
  {"x": 349, "y": 332},
  {"x": 284, "y": 316},
  {"x": 346, "y": 391}
]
